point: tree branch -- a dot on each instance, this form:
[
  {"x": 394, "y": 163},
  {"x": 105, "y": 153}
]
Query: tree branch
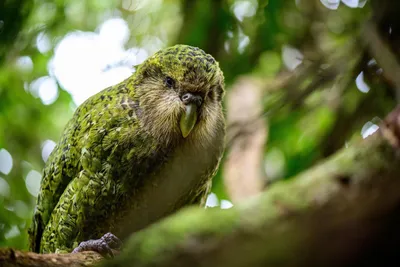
[{"x": 13, "y": 258}]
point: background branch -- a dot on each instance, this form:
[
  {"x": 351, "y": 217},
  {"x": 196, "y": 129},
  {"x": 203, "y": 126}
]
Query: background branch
[
  {"x": 383, "y": 55},
  {"x": 244, "y": 158}
]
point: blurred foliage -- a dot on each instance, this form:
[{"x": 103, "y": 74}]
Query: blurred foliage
[{"x": 317, "y": 110}]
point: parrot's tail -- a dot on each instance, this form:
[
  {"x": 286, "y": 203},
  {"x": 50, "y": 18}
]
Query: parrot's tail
[{"x": 35, "y": 233}]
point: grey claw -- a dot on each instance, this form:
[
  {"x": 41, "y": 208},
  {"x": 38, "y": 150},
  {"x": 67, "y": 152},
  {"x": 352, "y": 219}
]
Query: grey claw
[
  {"x": 103, "y": 246},
  {"x": 112, "y": 241}
]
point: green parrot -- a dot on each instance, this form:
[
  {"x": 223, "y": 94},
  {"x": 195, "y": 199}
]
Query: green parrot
[{"x": 133, "y": 153}]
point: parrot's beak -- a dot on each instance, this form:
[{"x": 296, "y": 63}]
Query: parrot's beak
[
  {"x": 188, "y": 119},
  {"x": 192, "y": 104}
]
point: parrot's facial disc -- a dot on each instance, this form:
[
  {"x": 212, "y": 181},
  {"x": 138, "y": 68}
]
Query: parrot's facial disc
[{"x": 182, "y": 89}]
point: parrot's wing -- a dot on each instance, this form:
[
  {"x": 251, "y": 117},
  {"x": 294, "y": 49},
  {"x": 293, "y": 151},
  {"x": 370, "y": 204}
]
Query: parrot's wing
[
  {"x": 74, "y": 210},
  {"x": 90, "y": 137},
  {"x": 61, "y": 167}
]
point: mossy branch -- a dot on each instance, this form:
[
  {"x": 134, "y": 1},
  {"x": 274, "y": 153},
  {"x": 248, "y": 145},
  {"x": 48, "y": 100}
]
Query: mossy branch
[{"x": 314, "y": 219}]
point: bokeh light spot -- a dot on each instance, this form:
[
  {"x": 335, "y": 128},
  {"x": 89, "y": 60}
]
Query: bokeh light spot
[
  {"x": 4, "y": 188},
  {"x": 13, "y": 232},
  {"x": 45, "y": 88},
  {"x": 212, "y": 200},
  {"x": 355, "y": 3},
  {"x": 22, "y": 210},
  {"x": 86, "y": 62},
  {"x": 331, "y": 4},
  {"x": 114, "y": 30},
  {"x": 361, "y": 84},
  {"x": 47, "y": 148},
  {"x": 6, "y": 161},
  {"x": 291, "y": 57},
  {"x": 226, "y": 204},
  {"x": 24, "y": 64},
  {"x": 43, "y": 43},
  {"x": 244, "y": 41},
  {"x": 243, "y": 9},
  {"x": 368, "y": 129},
  {"x": 48, "y": 91},
  {"x": 32, "y": 182}
]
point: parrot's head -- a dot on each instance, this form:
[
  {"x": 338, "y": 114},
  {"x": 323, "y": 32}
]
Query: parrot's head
[{"x": 180, "y": 89}]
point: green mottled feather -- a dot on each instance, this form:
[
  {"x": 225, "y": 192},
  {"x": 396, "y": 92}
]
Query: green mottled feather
[{"x": 119, "y": 159}]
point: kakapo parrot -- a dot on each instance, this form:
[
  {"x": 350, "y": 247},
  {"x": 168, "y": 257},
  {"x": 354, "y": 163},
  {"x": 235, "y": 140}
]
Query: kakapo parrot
[{"x": 133, "y": 153}]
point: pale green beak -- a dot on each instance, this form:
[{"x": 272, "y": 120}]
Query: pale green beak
[{"x": 188, "y": 119}]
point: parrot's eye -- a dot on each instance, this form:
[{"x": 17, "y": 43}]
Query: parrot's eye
[{"x": 169, "y": 82}]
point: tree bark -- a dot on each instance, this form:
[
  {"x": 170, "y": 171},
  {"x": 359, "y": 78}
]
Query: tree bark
[
  {"x": 325, "y": 216},
  {"x": 13, "y": 258}
]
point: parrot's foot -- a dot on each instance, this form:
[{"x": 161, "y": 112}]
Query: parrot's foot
[{"x": 107, "y": 245}]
